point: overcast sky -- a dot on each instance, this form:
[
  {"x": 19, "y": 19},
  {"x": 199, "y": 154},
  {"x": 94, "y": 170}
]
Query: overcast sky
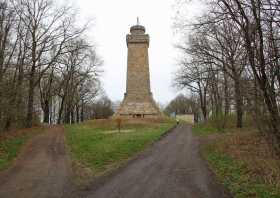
[{"x": 112, "y": 20}]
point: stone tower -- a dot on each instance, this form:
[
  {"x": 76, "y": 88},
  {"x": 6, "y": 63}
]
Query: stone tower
[{"x": 138, "y": 100}]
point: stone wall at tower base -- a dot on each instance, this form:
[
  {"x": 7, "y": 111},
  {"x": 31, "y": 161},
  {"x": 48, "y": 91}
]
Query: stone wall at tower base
[
  {"x": 137, "y": 116},
  {"x": 131, "y": 108}
]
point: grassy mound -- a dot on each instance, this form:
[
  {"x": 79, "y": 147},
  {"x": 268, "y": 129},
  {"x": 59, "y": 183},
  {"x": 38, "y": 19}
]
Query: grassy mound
[{"x": 97, "y": 146}]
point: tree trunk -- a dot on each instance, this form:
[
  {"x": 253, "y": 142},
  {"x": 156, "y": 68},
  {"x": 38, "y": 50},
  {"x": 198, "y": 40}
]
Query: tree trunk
[
  {"x": 202, "y": 98},
  {"x": 238, "y": 103},
  {"x": 226, "y": 92},
  {"x": 72, "y": 117},
  {"x": 77, "y": 113},
  {"x": 67, "y": 114},
  {"x": 82, "y": 111},
  {"x": 29, "y": 117},
  {"x": 61, "y": 110},
  {"x": 46, "y": 111}
]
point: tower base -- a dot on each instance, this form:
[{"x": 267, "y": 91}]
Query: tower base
[{"x": 144, "y": 108}]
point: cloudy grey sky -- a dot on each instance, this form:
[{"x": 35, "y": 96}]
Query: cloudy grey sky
[{"x": 112, "y": 20}]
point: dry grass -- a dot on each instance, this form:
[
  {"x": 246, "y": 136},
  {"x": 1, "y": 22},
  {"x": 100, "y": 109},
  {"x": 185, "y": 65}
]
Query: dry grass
[
  {"x": 241, "y": 158},
  {"x": 251, "y": 147},
  {"x": 20, "y": 132},
  {"x": 11, "y": 143},
  {"x": 111, "y": 124}
]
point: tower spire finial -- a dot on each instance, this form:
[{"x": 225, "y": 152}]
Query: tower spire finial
[{"x": 138, "y": 21}]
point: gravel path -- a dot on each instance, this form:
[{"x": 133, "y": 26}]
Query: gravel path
[{"x": 171, "y": 168}]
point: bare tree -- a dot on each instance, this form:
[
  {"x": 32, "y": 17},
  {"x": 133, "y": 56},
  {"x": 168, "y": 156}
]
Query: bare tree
[
  {"x": 80, "y": 69},
  {"x": 257, "y": 20},
  {"x": 195, "y": 77},
  {"x": 37, "y": 38},
  {"x": 181, "y": 105},
  {"x": 49, "y": 30},
  {"x": 222, "y": 44},
  {"x": 240, "y": 38}
]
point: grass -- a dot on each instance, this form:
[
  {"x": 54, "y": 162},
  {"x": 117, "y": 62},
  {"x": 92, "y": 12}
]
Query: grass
[
  {"x": 11, "y": 143},
  {"x": 221, "y": 124},
  {"x": 98, "y": 146},
  {"x": 202, "y": 129},
  {"x": 9, "y": 150},
  {"x": 237, "y": 176},
  {"x": 242, "y": 159}
]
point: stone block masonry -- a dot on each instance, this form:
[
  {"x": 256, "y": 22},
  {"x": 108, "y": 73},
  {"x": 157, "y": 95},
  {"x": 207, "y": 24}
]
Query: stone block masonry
[{"x": 138, "y": 100}]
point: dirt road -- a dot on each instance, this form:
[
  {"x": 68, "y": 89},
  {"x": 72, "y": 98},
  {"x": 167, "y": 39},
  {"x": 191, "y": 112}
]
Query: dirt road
[
  {"x": 41, "y": 171},
  {"x": 172, "y": 168}
]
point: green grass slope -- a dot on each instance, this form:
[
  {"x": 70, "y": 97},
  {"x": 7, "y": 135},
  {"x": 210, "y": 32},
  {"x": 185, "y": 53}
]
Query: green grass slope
[{"x": 98, "y": 146}]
